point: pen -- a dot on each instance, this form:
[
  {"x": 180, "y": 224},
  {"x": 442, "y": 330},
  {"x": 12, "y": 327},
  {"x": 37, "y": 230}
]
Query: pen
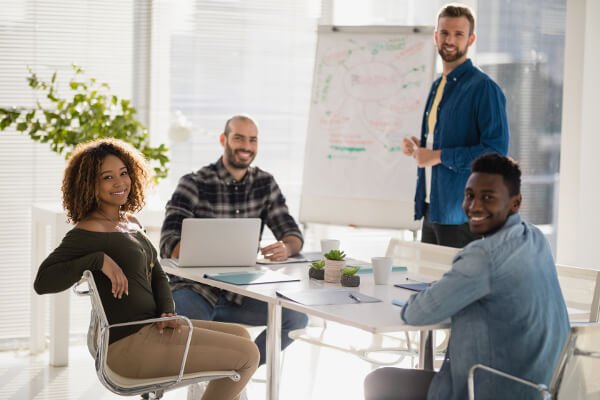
[{"x": 354, "y": 297}]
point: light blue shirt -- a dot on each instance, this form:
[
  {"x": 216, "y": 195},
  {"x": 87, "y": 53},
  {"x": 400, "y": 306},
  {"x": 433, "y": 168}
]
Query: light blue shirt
[{"x": 507, "y": 311}]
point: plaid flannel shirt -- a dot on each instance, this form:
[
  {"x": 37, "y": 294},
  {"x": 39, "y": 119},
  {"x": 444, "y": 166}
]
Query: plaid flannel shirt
[{"x": 212, "y": 192}]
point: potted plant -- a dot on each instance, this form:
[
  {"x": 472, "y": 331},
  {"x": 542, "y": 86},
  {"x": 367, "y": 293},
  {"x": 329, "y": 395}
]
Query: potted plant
[
  {"x": 335, "y": 260},
  {"x": 86, "y": 113},
  {"x": 349, "y": 277},
  {"x": 316, "y": 270}
]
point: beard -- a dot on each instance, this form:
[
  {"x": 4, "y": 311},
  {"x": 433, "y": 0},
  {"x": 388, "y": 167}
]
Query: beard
[
  {"x": 233, "y": 161},
  {"x": 452, "y": 57}
]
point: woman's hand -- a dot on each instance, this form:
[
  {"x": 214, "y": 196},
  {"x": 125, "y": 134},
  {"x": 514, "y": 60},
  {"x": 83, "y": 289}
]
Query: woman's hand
[
  {"x": 173, "y": 323},
  {"x": 118, "y": 279}
]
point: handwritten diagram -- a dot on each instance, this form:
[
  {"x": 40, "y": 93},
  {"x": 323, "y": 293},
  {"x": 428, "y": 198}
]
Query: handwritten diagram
[{"x": 369, "y": 91}]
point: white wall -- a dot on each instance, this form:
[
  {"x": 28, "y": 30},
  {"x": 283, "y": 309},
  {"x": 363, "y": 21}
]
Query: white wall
[{"x": 579, "y": 195}]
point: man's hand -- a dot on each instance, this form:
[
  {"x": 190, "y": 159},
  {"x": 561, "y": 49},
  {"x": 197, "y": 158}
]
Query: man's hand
[
  {"x": 277, "y": 251},
  {"x": 409, "y": 144},
  {"x": 427, "y": 157},
  {"x": 173, "y": 323},
  {"x": 118, "y": 279},
  {"x": 175, "y": 252}
]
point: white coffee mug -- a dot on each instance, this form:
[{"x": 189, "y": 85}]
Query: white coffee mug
[
  {"x": 382, "y": 268},
  {"x": 329, "y": 244}
]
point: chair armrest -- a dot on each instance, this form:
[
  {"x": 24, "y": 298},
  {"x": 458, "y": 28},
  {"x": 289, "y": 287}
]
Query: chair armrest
[
  {"x": 91, "y": 290},
  {"x": 541, "y": 388}
]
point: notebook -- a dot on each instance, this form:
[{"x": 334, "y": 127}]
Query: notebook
[
  {"x": 219, "y": 242},
  {"x": 416, "y": 287}
]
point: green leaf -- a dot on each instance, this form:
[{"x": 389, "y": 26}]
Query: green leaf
[
  {"x": 88, "y": 113},
  {"x": 335, "y": 254},
  {"x": 350, "y": 271}
]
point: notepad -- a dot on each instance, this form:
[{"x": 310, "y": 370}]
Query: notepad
[
  {"x": 323, "y": 297},
  {"x": 251, "y": 278},
  {"x": 416, "y": 287}
]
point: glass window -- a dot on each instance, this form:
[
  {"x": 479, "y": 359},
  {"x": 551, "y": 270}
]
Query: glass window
[{"x": 48, "y": 36}]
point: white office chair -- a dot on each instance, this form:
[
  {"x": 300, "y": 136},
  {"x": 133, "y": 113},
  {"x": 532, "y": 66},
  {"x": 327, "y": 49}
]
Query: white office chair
[
  {"x": 427, "y": 261},
  {"x": 576, "y": 375},
  {"x": 581, "y": 290},
  {"x": 98, "y": 336}
]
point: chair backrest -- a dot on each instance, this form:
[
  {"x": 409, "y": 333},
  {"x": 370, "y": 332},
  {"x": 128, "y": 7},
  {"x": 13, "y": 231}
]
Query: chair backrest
[
  {"x": 422, "y": 259},
  {"x": 581, "y": 290},
  {"x": 577, "y": 375}
]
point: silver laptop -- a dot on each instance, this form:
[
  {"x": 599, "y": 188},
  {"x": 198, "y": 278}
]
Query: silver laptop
[{"x": 219, "y": 242}]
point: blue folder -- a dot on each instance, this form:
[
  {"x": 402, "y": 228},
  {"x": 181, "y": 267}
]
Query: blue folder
[{"x": 251, "y": 278}]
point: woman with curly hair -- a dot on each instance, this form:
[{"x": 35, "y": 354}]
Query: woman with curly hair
[{"x": 103, "y": 185}]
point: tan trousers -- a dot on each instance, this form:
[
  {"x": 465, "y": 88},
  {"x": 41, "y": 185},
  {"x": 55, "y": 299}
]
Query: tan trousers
[{"x": 215, "y": 346}]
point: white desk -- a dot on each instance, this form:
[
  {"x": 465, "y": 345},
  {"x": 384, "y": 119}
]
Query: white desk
[
  {"x": 373, "y": 317},
  {"x": 48, "y": 228}
]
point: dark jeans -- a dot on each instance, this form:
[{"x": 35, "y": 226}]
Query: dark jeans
[
  {"x": 398, "y": 384},
  {"x": 252, "y": 312},
  {"x": 446, "y": 235}
]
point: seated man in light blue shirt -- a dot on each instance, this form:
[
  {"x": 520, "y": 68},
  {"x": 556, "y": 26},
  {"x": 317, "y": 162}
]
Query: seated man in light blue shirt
[{"x": 501, "y": 294}]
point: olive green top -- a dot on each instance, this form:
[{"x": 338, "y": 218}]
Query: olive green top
[{"x": 80, "y": 250}]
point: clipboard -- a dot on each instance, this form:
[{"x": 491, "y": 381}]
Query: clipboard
[{"x": 415, "y": 287}]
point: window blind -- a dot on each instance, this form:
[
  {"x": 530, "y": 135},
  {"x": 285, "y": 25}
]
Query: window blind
[
  {"x": 47, "y": 36},
  {"x": 231, "y": 57}
]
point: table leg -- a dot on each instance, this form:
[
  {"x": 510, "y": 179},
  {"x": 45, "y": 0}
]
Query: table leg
[
  {"x": 273, "y": 351},
  {"x": 37, "y": 337},
  {"x": 59, "y": 329},
  {"x": 425, "y": 350}
]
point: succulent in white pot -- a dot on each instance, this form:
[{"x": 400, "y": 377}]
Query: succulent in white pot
[{"x": 335, "y": 261}]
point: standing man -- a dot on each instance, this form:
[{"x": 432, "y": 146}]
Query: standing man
[
  {"x": 465, "y": 117},
  {"x": 230, "y": 188},
  {"x": 502, "y": 296}
]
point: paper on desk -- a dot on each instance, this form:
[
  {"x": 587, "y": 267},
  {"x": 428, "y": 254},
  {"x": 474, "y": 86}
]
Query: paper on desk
[
  {"x": 300, "y": 258},
  {"x": 251, "y": 278},
  {"x": 322, "y": 297}
]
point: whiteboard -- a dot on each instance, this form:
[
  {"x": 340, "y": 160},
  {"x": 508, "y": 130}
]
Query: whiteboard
[{"x": 369, "y": 90}]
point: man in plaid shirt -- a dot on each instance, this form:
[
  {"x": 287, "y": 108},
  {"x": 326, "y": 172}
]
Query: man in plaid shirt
[{"x": 230, "y": 188}]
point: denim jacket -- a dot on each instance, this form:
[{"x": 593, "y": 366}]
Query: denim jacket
[
  {"x": 471, "y": 121},
  {"x": 507, "y": 311}
]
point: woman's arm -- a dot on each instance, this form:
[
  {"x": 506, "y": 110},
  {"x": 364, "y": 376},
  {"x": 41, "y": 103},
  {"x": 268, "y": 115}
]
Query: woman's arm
[{"x": 65, "y": 265}]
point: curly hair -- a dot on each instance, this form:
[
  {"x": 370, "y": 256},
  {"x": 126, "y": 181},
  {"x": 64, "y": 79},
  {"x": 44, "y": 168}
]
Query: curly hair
[{"x": 81, "y": 176}]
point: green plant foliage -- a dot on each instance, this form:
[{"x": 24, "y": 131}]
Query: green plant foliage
[
  {"x": 320, "y": 264},
  {"x": 89, "y": 112},
  {"x": 350, "y": 271},
  {"x": 336, "y": 255}
]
